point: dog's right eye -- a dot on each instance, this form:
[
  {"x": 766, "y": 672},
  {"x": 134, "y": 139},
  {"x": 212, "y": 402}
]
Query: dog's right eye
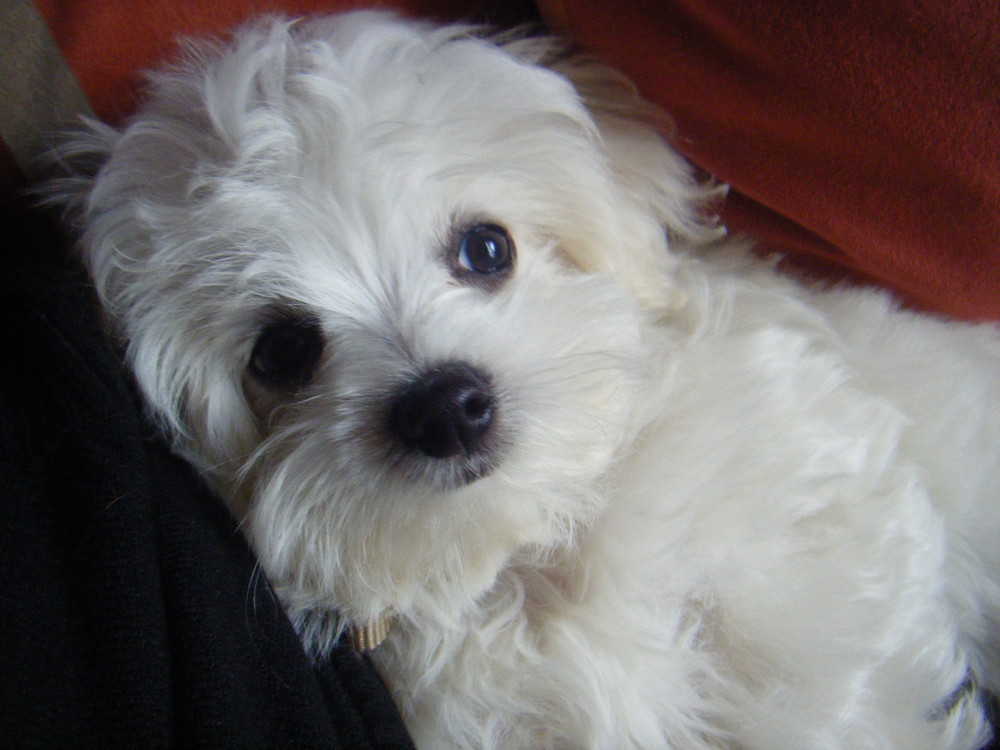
[
  {"x": 286, "y": 353},
  {"x": 486, "y": 249},
  {"x": 484, "y": 255}
]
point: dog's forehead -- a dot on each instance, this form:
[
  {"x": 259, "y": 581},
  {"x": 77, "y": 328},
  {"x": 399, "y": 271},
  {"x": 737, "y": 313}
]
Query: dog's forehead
[
  {"x": 375, "y": 119},
  {"x": 344, "y": 147},
  {"x": 383, "y": 112},
  {"x": 410, "y": 73},
  {"x": 355, "y": 92}
]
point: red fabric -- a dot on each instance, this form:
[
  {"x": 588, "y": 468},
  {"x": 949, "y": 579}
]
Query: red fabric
[{"x": 861, "y": 139}]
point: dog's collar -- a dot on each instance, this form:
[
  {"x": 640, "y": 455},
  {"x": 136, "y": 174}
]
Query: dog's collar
[{"x": 367, "y": 635}]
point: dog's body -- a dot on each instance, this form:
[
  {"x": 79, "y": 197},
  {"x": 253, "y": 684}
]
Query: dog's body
[{"x": 452, "y": 337}]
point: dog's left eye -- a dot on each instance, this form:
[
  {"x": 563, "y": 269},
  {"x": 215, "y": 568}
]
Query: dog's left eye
[
  {"x": 485, "y": 250},
  {"x": 287, "y": 352}
]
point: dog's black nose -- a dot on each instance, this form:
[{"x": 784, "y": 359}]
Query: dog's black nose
[{"x": 446, "y": 412}]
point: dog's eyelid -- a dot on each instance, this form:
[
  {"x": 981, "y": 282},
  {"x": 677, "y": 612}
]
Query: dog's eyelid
[{"x": 282, "y": 312}]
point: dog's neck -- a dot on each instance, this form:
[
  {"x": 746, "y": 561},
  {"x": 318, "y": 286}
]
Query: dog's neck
[{"x": 368, "y": 635}]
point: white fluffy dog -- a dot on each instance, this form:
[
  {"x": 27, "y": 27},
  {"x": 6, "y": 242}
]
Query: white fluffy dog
[{"x": 443, "y": 319}]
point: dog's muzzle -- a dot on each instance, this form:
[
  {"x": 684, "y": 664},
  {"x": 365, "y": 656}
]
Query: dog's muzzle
[{"x": 447, "y": 412}]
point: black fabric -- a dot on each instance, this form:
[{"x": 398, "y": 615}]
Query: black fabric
[{"x": 133, "y": 614}]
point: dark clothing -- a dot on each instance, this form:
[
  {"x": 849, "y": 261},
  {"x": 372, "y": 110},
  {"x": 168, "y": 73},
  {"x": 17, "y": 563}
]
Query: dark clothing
[{"x": 133, "y": 612}]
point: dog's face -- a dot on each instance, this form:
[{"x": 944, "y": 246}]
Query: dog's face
[{"x": 382, "y": 285}]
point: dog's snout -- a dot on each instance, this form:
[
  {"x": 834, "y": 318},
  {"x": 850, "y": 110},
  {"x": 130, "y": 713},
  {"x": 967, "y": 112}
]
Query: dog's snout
[{"x": 446, "y": 412}]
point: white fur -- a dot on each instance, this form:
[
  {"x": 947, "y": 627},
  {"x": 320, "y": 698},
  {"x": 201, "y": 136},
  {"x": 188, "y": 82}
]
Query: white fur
[{"x": 729, "y": 511}]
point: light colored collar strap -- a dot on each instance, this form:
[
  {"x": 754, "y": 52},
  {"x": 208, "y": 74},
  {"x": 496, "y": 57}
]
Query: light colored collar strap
[{"x": 368, "y": 635}]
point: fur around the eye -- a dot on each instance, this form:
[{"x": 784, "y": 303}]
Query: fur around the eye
[{"x": 286, "y": 353}]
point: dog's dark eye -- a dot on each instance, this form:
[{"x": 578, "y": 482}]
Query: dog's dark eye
[
  {"x": 485, "y": 249},
  {"x": 287, "y": 352}
]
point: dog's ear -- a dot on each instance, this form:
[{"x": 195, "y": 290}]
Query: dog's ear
[
  {"x": 661, "y": 207},
  {"x": 664, "y": 208}
]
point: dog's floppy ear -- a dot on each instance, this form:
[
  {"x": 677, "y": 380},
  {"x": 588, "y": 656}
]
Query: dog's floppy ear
[{"x": 660, "y": 206}]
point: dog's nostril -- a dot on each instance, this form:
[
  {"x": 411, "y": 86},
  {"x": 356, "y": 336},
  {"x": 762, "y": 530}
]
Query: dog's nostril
[
  {"x": 445, "y": 413},
  {"x": 478, "y": 407}
]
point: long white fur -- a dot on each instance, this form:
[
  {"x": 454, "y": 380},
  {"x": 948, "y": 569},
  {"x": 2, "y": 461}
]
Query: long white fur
[{"x": 731, "y": 511}]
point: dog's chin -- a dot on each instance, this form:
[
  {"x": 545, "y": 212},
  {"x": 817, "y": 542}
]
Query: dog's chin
[{"x": 446, "y": 473}]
